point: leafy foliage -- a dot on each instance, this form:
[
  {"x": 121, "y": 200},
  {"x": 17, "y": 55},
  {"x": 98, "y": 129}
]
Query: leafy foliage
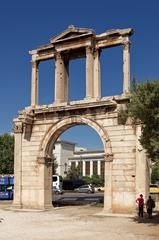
[
  {"x": 144, "y": 106},
  {"x": 74, "y": 173},
  {"x": 6, "y": 154},
  {"x": 94, "y": 179},
  {"x": 155, "y": 174}
]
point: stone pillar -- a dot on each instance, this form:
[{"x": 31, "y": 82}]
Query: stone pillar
[
  {"x": 97, "y": 80},
  {"x": 84, "y": 168},
  {"x": 45, "y": 183},
  {"x": 99, "y": 167},
  {"x": 142, "y": 168},
  {"x": 91, "y": 168},
  {"x": 66, "y": 79},
  {"x": 126, "y": 67},
  {"x": 89, "y": 73},
  {"x": 34, "y": 84},
  {"x": 61, "y": 79},
  {"x": 18, "y": 131},
  {"x": 108, "y": 183}
]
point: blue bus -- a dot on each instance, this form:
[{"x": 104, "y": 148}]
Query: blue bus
[{"x": 6, "y": 187}]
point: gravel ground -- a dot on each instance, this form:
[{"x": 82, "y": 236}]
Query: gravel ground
[{"x": 74, "y": 223}]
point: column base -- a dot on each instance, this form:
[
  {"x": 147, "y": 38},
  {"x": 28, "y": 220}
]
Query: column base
[
  {"x": 16, "y": 206},
  {"x": 27, "y": 208},
  {"x": 107, "y": 210}
]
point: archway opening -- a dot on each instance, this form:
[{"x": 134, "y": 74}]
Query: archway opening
[{"x": 78, "y": 157}]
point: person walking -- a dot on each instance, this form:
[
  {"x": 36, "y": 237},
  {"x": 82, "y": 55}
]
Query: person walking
[
  {"x": 150, "y": 204},
  {"x": 140, "y": 202}
]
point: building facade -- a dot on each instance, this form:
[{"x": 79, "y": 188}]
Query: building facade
[{"x": 67, "y": 155}]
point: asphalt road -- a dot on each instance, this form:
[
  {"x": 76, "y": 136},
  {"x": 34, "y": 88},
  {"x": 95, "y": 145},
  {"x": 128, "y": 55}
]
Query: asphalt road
[{"x": 71, "y": 198}]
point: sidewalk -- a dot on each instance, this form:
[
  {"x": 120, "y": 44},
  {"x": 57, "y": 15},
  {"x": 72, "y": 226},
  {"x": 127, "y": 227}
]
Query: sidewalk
[{"x": 75, "y": 222}]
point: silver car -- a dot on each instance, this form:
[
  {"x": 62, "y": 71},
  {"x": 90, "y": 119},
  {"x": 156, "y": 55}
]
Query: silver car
[{"x": 85, "y": 189}]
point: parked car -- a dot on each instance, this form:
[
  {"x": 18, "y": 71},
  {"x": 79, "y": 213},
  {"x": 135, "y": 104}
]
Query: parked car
[
  {"x": 85, "y": 189},
  {"x": 57, "y": 190}
]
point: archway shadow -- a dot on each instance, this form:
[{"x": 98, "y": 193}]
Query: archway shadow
[{"x": 150, "y": 221}]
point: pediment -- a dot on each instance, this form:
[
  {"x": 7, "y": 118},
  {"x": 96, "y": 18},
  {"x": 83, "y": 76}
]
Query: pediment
[{"x": 72, "y": 32}]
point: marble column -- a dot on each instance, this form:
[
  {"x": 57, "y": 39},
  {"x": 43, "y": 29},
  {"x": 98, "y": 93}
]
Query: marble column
[
  {"x": 126, "y": 67},
  {"x": 34, "y": 85},
  {"x": 44, "y": 184},
  {"x": 91, "y": 168},
  {"x": 18, "y": 131},
  {"x": 108, "y": 197},
  {"x": 61, "y": 79},
  {"x": 84, "y": 168},
  {"x": 99, "y": 167},
  {"x": 97, "y": 80},
  {"x": 89, "y": 73},
  {"x": 66, "y": 78}
]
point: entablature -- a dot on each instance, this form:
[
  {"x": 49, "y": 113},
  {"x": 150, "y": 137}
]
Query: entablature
[{"x": 74, "y": 39}]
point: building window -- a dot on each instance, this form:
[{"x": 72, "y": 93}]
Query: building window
[
  {"x": 95, "y": 172},
  {"x": 87, "y": 168}
]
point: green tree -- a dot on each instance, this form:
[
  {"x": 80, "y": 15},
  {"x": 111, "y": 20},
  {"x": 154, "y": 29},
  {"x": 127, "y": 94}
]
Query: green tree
[
  {"x": 144, "y": 107},
  {"x": 134, "y": 84},
  {"x": 87, "y": 179},
  {"x": 94, "y": 179},
  {"x": 6, "y": 154},
  {"x": 74, "y": 173},
  {"x": 155, "y": 174}
]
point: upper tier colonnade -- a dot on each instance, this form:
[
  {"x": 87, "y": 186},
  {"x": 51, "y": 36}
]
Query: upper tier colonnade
[{"x": 76, "y": 43}]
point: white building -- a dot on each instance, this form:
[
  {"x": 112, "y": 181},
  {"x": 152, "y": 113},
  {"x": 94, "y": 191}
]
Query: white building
[{"x": 68, "y": 155}]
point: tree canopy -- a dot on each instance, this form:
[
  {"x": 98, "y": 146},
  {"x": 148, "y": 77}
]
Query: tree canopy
[
  {"x": 144, "y": 106},
  {"x": 6, "y": 154}
]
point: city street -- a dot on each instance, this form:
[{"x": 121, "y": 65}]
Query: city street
[{"x": 72, "y": 198}]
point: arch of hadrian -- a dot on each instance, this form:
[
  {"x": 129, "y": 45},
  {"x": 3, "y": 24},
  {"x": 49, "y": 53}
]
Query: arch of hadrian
[{"x": 38, "y": 127}]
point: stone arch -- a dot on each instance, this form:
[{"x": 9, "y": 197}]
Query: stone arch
[{"x": 59, "y": 127}]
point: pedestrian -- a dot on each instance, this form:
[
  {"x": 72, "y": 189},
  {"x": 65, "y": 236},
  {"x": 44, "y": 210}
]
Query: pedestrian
[
  {"x": 150, "y": 204},
  {"x": 140, "y": 202}
]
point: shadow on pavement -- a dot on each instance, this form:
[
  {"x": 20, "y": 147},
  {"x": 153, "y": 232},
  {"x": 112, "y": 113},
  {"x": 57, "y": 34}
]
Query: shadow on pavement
[
  {"x": 84, "y": 200},
  {"x": 152, "y": 221}
]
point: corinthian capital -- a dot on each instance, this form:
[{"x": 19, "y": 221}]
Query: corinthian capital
[
  {"x": 35, "y": 63},
  {"x": 108, "y": 157},
  {"x": 18, "y": 127},
  {"x": 58, "y": 55},
  {"x": 89, "y": 49},
  {"x": 126, "y": 45}
]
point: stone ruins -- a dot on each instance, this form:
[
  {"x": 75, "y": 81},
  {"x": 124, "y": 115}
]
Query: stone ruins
[{"x": 38, "y": 127}]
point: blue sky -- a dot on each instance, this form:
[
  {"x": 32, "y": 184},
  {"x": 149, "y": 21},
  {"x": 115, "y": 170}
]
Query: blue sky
[{"x": 25, "y": 25}]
